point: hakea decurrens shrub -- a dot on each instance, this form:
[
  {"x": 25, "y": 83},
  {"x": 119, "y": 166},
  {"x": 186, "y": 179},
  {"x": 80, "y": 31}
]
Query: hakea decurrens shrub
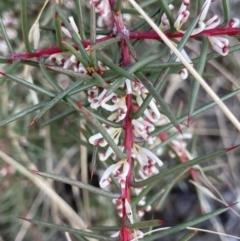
[
  {"x": 139, "y": 153},
  {"x": 133, "y": 137}
]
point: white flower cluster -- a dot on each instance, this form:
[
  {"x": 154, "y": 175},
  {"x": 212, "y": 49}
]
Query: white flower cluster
[
  {"x": 141, "y": 127},
  {"x": 105, "y": 14},
  {"x": 66, "y": 60},
  {"x": 219, "y": 44}
]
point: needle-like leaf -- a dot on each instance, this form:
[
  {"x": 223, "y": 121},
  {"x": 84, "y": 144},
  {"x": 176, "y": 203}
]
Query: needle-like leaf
[{"x": 78, "y": 184}]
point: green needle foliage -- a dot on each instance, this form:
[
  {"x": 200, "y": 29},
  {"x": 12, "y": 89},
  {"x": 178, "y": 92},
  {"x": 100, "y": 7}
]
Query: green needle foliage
[{"x": 99, "y": 112}]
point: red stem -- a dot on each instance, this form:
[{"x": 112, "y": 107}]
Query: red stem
[
  {"x": 125, "y": 233},
  {"x": 128, "y": 143},
  {"x": 126, "y": 192},
  {"x": 210, "y": 32},
  {"x": 132, "y": 35}
]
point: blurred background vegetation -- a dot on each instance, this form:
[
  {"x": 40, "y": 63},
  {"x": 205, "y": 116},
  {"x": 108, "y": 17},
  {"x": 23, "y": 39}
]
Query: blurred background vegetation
[{"x": 55, "y": 146}]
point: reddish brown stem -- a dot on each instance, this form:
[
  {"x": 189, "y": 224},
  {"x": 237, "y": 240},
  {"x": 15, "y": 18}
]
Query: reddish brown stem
[
  {"x": 132, "y": 35},
  {"x": 128, "y": 143},
  {"x": 210, "y": 32},
  {"x": 125, "y": 233}
]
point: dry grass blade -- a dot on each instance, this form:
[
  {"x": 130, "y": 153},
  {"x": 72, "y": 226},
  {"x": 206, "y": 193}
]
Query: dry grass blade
[
  {"x": 72, "y": 217},
  {"x": 213, "y": 232}
]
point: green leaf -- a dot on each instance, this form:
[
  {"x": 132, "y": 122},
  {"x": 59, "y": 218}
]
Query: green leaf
[
  {"x": 100, "y": 81},
  {"x": 196, "y": 112},
  {"x": 74, "y": 35},
  {"x": 69, "y": 72},
  {"x": 166, "y": 191},
  {"x": 78, "y": 184},
  {"x": 58, "y": 30},
  {"x": 226, "y": 12},
  {"x": 92, "y": 51},
  {"x": 144, "y": 224},
  {"x": 200, "y": 5},
  {"x": 5, "y": 36},
  {"x": 160, "y": 82},
  {"x": 58, "y": 98},
  {"x": 105, "y": 228},
  {"x": 100, "y": 128},
  {"x": 80, "y": 19},
  {"x": 10, "y": 69},
  {"x": 177, "y": 169},
  {"x": 105, "y": 43},
  {"x": 79, "y": 107},
  {"x": 178, "y": 66},
  {"x": 49, "y": 77},
  {"x": 77, "y": 54},
  {"x": 152, "y": 91},
  {"x": 58, "y": 117},
  {"x": 142, "y": 194},
  {"x": 4, "y": 60},
  {"x": 24, "y": 24},
  {"x": 184, "y": 225},
  {"x": 115, "y": 67},
  {"x": 23, "y": 113},
  {"x": 74, "y": 136},
  {"x": 29, "y": 85},
  {"x": 70, "y": 230},
  {"x": 117, "y": 6},
  {"x": 200, "y": 69},
  {"x": 129, "y": 73},
  {"x": 104, "y": 120},
  {"x": 140, "y": 23},
  {"x": 188, "y": 236},
  {"x": 94, "y": 160}
]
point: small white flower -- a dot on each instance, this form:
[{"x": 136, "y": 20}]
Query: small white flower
[
  {"x": 104, "y": 156},
  {"x": 115, "y": 235},
  {"x": 183, "y": 6},
  {"x": 140, "y": 234},
  {"x": 138, "y": 88},
  {"x": 179, "y": 144},
  {"x": 164, "y": 20},
  {"x": 204, "y": 10},
  {"x": 114, "y": 170},
  {"x": 199, "y": 29},
  {"x": 34, "y": 35},
  {"x": 140, "y": 213},
  {"x": 128, "y": 211},
  {"x": 148, "y": 208},
  {"x": 126, "y": 17},
  {"x": 212, "y": 22},
  {"x": 182, "y": 15},
  {"x": 153, "y": 114},
  {"x": 119, "y": 104},
  {"x": 104, "y": 9},
  {"x": 181, "y": 19},
  {"x": 183, "y": 73},
  {"x": 162, "y": 121},
  {"x": 101, "y": 99},
  {"x": 142, "y": 128},
  {"x": 234, "y": 22},
  {"x": 74, "y": 26},
  {"x": 145, "y": 157},
  {"x": 97, "y": 139},
  {"x": 128, "y": 86},
  {"x": 219, "y": 44}
]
